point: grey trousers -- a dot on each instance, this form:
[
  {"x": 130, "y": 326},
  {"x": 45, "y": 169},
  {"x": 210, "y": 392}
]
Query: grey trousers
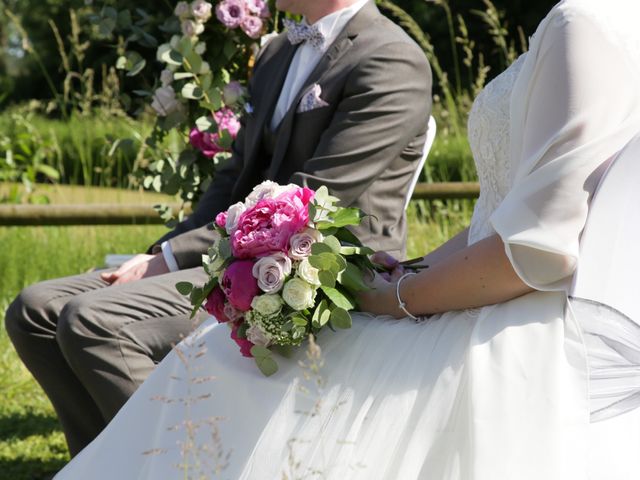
[{"x": 90, "y": 345}]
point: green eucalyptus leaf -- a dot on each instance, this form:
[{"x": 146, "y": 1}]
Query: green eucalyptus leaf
[
  {"x": 224, "y": 248},
  {"x": 333, "y": 243},
  {"x": 206, "y": 124},
  {"x": 264, "y": 360},
  {"x": 339, "y": 298},
  {"x": 192, "y": 91},
  {"x": 352, "y": 278},
  {"x": 327, "y": 278},
  {"x": 169, "y": 56},
  {"x": 182, "y": 75},
  {"x": 340, "y": 318},
  {"x": 184, "y": 288},
  {"x": 317, "y": 314},
  {"x": 318, "y": 248},
  {"x": 137, "y": 68}
]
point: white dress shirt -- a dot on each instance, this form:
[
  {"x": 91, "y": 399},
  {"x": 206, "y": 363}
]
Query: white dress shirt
[
  {"x": 304, "y": 61},
  {"x": 307, "y": 58}
]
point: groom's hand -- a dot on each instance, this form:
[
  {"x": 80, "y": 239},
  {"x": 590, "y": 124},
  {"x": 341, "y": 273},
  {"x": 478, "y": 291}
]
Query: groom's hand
[{"x": 140, "y": 266}]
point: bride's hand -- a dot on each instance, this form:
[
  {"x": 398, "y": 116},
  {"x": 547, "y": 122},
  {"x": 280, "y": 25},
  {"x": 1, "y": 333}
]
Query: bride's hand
[{"x": 381, "y": 299}]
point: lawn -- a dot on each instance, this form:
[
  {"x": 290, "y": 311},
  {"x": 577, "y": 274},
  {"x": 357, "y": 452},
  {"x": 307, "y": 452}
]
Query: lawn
[{"x": 31, "y": 444}]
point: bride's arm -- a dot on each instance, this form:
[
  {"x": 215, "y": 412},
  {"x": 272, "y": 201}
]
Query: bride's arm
[
  {"x": 474, "y": 276},
  {"x": 451, "y": 246}
]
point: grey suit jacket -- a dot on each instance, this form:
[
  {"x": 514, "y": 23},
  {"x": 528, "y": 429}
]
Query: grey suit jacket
[{"x": 363, "y": 146}]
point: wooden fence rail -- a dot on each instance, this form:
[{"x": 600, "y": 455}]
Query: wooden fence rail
[{"x": 114, "y": 214}]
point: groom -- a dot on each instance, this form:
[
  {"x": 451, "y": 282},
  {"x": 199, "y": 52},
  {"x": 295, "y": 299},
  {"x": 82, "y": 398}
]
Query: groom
[{"x": 342, "y": 103}]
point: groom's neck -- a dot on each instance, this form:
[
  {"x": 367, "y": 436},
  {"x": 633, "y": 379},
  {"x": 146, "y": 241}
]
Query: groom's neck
[{"x": 314, "y": 10}]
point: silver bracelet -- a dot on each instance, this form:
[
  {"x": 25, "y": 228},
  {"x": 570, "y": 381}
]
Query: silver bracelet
[{"x": 401, "y": 304}]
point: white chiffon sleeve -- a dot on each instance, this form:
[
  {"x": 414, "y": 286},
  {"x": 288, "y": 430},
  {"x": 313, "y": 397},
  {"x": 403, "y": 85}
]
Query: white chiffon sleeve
[{"x": 575, "y": 104}]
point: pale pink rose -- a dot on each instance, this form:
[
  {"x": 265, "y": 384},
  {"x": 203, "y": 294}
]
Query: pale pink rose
[
  {"x": 181, "y": 10},
  {"x": 272, "y": 271},
  {"x": 166, "y": 77},
  {"x": 232, "y": 92},
  {"x": 215, "y": 305},
  {"x": 201, "y": 10},
  {"x": 300, "y": 244},
  {"x": 244, "y": 344},
  {"x": 231, "y": 313},
  {"x": 164, "y": 101},
  {"x": 252, "y": 26},
  {"x": 191, "y": 28},
  {"x": 256, "y": 336},
  {"x": 233, "y": 215},
  {"x": 269, "y": 225},
  {"x": 230, "y": 13},
  {"x": 256, "y": 7},
  {"x": 239, "y": 284}
]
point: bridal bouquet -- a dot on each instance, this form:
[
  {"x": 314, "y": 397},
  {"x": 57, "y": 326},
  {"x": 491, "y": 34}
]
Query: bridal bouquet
[{"x": 284, "y": 267}]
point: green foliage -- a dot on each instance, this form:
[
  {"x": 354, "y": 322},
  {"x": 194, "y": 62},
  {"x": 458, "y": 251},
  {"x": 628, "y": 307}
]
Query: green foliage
[{"x": 80, "y": 151}]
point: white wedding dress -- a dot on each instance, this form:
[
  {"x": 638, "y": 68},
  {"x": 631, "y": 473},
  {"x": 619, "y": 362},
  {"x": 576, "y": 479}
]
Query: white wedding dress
[{"x": 520, "y": 390}]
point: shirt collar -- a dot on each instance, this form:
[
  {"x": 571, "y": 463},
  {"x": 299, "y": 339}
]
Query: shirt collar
[{"x": 331, "y": 25}]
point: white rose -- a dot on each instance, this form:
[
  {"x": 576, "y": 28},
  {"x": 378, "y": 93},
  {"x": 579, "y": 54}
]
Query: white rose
[
  {"x": 271, "y": 272},
  {"x": 308, "y": 273},
  {"x": 260, "y": 192},
  {"x": 267, "y": 305},
  {"x": 181, "y": 10},
  {"x": 256, "y": 336},
  {"x": 266, "y": 189},
  {"x": 300, "y": 243},
  {"x": 299, "y": 294},
  {"x": 233, "y": 215},
  {"x": 201, "y": 10},
  {"x": 191, "y": 28},
  {"x": 164, "y": 101},
  {"x": 166, "y": 77},
  {"x": 200, "y": 48}
]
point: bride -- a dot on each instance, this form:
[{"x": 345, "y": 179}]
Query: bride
[{"x": 502, "y": 375}]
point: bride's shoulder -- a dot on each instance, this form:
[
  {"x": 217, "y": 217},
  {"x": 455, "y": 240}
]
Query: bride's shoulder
[{"x": 617, "y": 19}]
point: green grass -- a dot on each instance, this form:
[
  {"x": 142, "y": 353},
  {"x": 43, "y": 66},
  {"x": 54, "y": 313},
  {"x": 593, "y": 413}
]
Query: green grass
[{"x": 31, "y": 443}]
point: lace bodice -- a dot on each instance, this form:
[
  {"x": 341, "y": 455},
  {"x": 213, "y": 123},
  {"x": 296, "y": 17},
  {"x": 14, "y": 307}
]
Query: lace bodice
[{"x": 489, "y": 129}]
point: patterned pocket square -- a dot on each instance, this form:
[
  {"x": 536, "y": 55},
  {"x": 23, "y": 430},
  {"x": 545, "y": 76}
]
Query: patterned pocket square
[{"x": 311, "y": 99}]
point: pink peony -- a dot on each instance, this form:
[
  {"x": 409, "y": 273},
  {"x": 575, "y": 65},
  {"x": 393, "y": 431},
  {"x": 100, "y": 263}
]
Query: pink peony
[
  {"x": 239, "y": 284},
  {"x": 268, "y": 226},
  {"x": 209, "y": 143},
  {"x": 215, "y": 305},
  {"x": 244, "y": 344},
  {"x": 221, "y": 219},
  {"x": 252, "y": 26},
  {"x": 230, "y": 13}
]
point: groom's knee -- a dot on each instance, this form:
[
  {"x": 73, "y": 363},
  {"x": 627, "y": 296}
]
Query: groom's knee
[
  {"x": 21, "y": 318},
  {"x": 77, "y": 329}
]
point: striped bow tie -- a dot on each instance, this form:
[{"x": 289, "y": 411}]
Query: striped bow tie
[{"x": 301, "y": 32}]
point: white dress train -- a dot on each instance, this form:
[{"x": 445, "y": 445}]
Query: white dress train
[{"x": 502, "y": 392}]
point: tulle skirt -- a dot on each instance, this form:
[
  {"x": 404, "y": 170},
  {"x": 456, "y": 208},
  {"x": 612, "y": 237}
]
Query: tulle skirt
[{"x": 496, "y": 393}]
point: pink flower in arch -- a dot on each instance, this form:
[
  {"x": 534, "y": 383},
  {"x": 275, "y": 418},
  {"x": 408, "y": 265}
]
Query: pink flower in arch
[
  {"x": 209, "y": 143},
  {"x": 231, "y": 13}
]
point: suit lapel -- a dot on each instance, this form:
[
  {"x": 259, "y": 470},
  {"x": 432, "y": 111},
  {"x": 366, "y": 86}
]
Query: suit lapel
[{"x": 333, "y": 54}]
